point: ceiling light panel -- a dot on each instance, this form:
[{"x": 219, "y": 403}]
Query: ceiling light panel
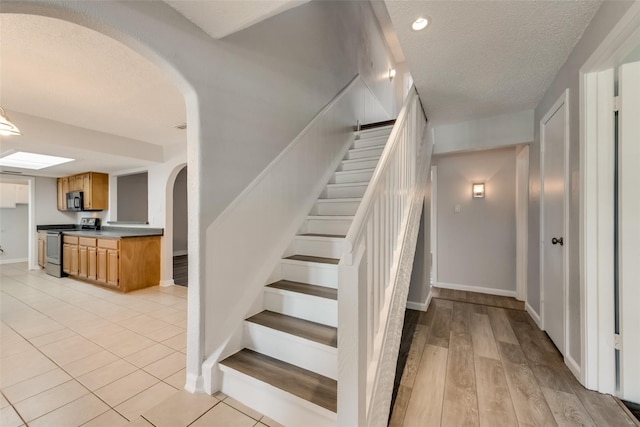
[{"x": 24, "y": 160}]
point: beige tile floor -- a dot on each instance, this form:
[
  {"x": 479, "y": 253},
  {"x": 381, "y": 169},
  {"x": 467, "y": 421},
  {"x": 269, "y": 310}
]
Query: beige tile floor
[{"x": 75, "y": 354}]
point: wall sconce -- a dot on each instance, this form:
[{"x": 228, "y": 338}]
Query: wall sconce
[
  {"x": 392, "y": 74},
  {"x": 478, "y": 190}
]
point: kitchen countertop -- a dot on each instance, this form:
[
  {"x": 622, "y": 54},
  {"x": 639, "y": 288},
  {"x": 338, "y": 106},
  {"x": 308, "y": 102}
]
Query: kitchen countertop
[
  {"x": 107, "y": 232},
  {"x": 113, "y": 234}
]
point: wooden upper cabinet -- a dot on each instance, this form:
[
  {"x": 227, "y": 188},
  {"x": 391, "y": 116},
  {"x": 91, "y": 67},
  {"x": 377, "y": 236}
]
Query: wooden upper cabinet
[{"x": 94, "y": 185}]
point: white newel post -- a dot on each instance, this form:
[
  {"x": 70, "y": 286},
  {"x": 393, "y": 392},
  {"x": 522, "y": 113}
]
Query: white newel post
[{"x": 352, "y": 339}]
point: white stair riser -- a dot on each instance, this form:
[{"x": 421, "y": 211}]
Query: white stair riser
[
  {"x": 364, "y": 152},
  {"x": 318, "y": 246},
  {"x": 277, "y": 404},
  {"x": 335, "y": 192},
  {"x": 370, "y": 142},
  {"x": 302, "y": 306},
  {"x": 350, "y": 177},
  {"x": 362, "y": 164},
  {"x": 373, "y": 133},
  {"x": 311, "y": 273},
  {"x": 328, "y": 226},
  {"x": 335, "y": 208},
  {"x": 308, "y": 355}
]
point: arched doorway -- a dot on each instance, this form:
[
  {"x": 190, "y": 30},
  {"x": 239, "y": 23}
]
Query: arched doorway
[{"x": 180, "y": 230}]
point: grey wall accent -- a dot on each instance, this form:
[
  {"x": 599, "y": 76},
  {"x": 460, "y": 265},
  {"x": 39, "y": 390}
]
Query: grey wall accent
[
  {"x": 14, "y": 233},
  {"x": 180, "y": 220},
  {"x": 477, "y": 246},
  {"x": 568, "y": 77},
  {"x": 133, "y": 197}
]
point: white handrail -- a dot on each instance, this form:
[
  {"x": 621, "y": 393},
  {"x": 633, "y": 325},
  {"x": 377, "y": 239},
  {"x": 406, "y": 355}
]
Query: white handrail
[
  {"x": 357, "y": 226},
  {"x": 375, "y": 270}
]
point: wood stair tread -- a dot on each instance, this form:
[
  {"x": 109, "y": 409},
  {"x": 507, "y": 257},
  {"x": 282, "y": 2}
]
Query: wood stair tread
[
  {"x": 377, "y": 124},
  {"x": 308, "y": 258},
  {"x": 307, "y": 385},
  {"x": 305, "y": 288},
  {"x": 340, "y": 236},
  {"x": 311, "y": 331}
]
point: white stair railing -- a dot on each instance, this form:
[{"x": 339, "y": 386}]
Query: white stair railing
[{"x": 375, "y": 270}]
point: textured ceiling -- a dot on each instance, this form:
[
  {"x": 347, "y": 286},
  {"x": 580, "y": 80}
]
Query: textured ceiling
[
  {"x": 64, "y": 72},
  {"x": 221, "y": 18},
  {"x": 481, "y": 58}
]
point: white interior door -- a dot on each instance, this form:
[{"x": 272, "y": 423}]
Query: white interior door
[
  {"x": 629, "y": 228},
  {"x": 553, "y": 143}
]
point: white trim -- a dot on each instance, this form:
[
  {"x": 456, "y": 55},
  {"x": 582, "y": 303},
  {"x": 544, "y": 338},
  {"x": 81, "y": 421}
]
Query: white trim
[
  {"x": 478, "y": 289},
  {"x": 420, "y": 306},
  {"x": 434, "y": 225},
  {"x": 13, "y": 261},
  {"x": 596, "y": 210},
  {"x": 522, "y": 221},
  {"x": 574, "y": 366},
  {"x": 563, "y": 100},
  {"x": 535, "y": 316},
  {"x": 166, "y": 283}
]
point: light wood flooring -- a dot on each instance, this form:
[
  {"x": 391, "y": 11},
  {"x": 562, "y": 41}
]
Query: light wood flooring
[{"x": 487, "y": 364}]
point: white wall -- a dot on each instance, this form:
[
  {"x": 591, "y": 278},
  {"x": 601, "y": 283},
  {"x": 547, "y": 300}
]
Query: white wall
[
  {"x": 491, "y": 132},
  {"x": 568, "y": 77},
  {"x": 180, "y": 220},
  {"x": 14, "y": 233},
  {"x": 477, "y": 246},
  {"x": 46, "y": 208}
]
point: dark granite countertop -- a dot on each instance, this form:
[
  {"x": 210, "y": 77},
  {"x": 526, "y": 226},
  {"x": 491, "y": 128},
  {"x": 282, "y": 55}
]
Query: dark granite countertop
[{"x": 107, "y": 232}]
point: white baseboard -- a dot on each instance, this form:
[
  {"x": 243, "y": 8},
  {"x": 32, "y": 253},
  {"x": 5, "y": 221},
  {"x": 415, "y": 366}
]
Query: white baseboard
[
  {"x": 166, "y": 283},
  {"x": 574, "y": 367},
  {"x": 13, "y": 261},
  {"x": 180, "y": 253},
  {"x": 470, "y": 288},
  {"x": 420, "y": 306},
  {"x": 535, "y": 316}
]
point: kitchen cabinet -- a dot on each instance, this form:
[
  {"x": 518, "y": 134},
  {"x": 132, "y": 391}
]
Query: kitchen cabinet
[
  {"x": 125, "y": 264},
  {"x": 70, "y": 256},
  {"x": 94, "y": 185},
  {"x": 42, "y": 248}
]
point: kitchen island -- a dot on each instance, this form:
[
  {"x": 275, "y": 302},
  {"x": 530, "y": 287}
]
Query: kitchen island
[{"x": 120, "y": 258}]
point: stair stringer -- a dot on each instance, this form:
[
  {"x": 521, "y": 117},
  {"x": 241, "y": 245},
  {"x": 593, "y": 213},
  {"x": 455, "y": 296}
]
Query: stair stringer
[
  {"x": 382, "y": 382},
  {"x": 222, "y": 332}
]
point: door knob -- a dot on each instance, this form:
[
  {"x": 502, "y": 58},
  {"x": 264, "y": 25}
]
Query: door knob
[{"x": 557, "y": 240}]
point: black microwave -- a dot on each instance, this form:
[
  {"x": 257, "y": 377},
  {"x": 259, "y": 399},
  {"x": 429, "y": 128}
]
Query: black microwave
[{"x": 75, "y": 201}]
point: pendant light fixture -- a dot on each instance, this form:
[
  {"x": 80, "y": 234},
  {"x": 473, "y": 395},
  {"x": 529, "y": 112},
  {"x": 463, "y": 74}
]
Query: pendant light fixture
[{"x": 6, "y": 127}]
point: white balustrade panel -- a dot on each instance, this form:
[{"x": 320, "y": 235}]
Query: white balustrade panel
[{"x": 373, "y": 277}]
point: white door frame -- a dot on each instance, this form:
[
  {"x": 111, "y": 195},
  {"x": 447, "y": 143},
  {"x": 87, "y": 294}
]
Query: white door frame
[
  {"x": 597, "y": 205},
  {"x": 562, "y": 101},
  {"x": 522, "y": 221},
  {"x": 434, "y": 225}
]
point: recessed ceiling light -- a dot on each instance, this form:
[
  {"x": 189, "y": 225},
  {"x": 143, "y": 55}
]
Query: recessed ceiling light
[
  {"x": 21, "y": 159},
  {"x": 420, "y": 23}
]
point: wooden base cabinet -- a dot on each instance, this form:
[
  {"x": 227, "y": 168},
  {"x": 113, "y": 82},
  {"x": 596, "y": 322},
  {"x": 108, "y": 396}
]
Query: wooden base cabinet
[
  {"x": 70, "y": 256},
  {"x": 126, "y": 264},
  {"x": 42, "y": 249}
]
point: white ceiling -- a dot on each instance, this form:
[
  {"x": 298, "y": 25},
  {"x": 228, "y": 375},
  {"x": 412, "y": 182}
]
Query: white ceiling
[
  {"x": 221, "y": 18},
  {"x": 476, "y": 59},
  {"x": 482, "y": 58}
]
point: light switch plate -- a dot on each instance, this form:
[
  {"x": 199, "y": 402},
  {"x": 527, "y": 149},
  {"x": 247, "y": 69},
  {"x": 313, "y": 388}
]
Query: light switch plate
[{"x": 456, "y": 208}]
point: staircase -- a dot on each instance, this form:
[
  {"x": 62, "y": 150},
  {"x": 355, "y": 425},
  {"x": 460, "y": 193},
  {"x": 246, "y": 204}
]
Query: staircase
[{"x": 288, "y": 368}]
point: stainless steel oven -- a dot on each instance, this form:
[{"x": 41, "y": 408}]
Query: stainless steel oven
[{"x": 53, "y": 253}]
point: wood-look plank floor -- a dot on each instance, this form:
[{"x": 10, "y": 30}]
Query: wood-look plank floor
[
  {"x": 480, "y": 360},
  {"x": 181, "y": 270}
]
